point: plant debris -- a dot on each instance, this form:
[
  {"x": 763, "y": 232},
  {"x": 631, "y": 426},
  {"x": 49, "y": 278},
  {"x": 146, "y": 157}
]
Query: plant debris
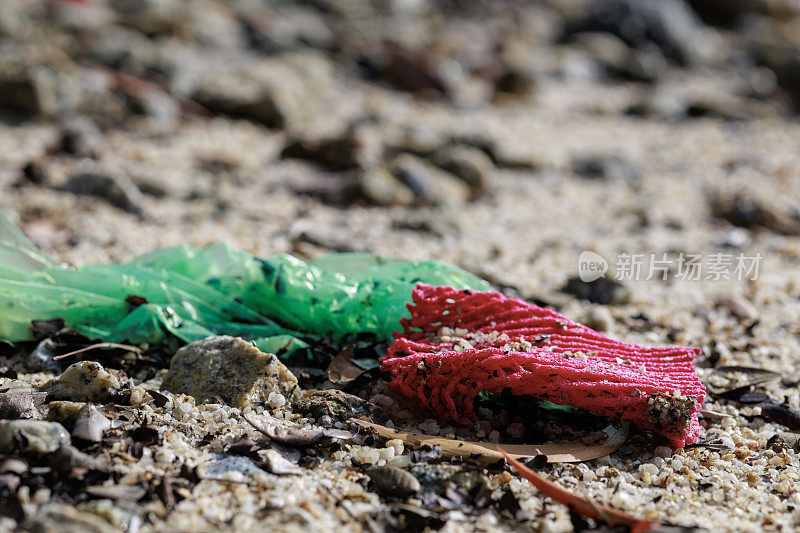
[
  {"x": 585, "y": 507},
  {"x": 342, "y": 370},
  {"x": 754, "y": 376},
  {"x": 571, "y": 452},
  {"x": 291, "y": 435},
  {"x": 502, "y": 137}
]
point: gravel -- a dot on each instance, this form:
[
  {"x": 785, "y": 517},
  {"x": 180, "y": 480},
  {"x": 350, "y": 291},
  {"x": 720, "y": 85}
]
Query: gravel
[{"x": 615, "y": 151}]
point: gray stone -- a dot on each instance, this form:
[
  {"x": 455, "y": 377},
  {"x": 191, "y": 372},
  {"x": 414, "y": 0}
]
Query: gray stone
[
  {"x": 419, "y": 140},
  {"x": 38, "y": 82},
  {"x": 358, "y": 147},
  {"x": 31, "y": 436},
  {"x": 600, "y": 291},
  {"x": 605, "y": 166},
  {"x": 17, "y": 386},
  {"x": 290, "y": 27},
  {"x": 68, "y": 457},
  {"x": 123, "y": 516},
  {"x": 393, "y": 482},
  {"x": 117, "y": 189},
  {"x": 776, "y": 45},
  {"x": 80, "y": 137},
  {"x": 229, "y": 468},
  {"x": 618, "y": 59},
  {"x": 753, "y": 209},
  {"x": 430, "y": 184},
  {"x": 91, "y": 424},
  {"x": 279, "y": 465},
  {"x": 214, "y": 25},
  {"x": 332, "y": 403},
  {"x": 668, "y": 25},
  {"x": 378, "y": 186},
  {"x": 280, "y": 92},
  {"x": 85, "y": 381},
  {"x": 15, "y": 23},
  {"x": 21, "y": 405},
  {"x": 231, "y": 368},
  {"x": 64, "y": 412},
  {"x": 117, "y": 492},
  {"x": 471, "y": 165},
  {"x": 502, "y": 154},
  {"x": 599, "y": 318},
  {"x": 66, "y": 519}
]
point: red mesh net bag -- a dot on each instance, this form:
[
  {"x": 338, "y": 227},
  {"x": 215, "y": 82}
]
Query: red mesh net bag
[{"x": 458, "y": 343}]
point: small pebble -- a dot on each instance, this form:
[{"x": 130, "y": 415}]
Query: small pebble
[{"x": 276, "y": 400}]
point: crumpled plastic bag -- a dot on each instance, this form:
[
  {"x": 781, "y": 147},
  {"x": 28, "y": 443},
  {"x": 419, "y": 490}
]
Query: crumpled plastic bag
[{"x": 188, "y": 293}]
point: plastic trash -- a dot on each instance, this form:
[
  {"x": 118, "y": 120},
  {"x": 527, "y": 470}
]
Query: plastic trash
[
  {"x": 459, "y": 343},
  {"x": 492, "y": 343},
  {"x": 187, "y": 293}
]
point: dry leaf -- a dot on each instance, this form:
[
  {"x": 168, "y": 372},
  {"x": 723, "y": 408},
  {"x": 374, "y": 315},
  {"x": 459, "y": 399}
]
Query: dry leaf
[
  {"x": 291, "y": 436},
  {"x": 342, "y": 370},
  {"x": 571, "y": 452},
  {"x": 714, "y": 415},
  {"x": 781, "y": 414},
  {"x": 583, "y": 506},
  {"x": 756, "y": 376}
]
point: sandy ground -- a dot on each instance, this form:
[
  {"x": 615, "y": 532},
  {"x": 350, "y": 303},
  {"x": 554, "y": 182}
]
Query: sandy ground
[{"x": 526, "y": 231}]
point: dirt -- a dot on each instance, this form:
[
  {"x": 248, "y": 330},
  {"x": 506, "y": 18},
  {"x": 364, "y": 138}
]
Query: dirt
[{"x": 678, "y": 140}]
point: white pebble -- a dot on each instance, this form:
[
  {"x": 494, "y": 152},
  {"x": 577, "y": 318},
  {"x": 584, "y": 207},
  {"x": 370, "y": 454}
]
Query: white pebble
[
  {"x": 386, "y": 453},
  {"x": 276, "y": 400},
  {"x": 621, "y": 500},
  {"x": 649, "y": 469},
  {"x": 400, "y": 461},
  {"x": 41, "y": 496},
  {"x": 164, "y": 456},
  {"x": 397, "y": 444},
  {"x": 366, "y": 455},
  {"x": 137, "y": 396}
]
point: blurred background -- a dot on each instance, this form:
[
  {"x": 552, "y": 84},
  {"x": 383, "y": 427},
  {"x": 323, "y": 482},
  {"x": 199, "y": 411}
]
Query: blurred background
[
  {"x": 504, "y": 136},
  {"x": 530, "y": 142}
]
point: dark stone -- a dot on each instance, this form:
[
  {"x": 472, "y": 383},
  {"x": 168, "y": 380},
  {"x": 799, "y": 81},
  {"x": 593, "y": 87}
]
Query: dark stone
[
  {"x": 333, "y": 403},
  {"x": 393, "y": 482},
  {"x": 669, "y": 25},
  {"x": 118, "y": 190},
  {"x": 609, "y": 167},
  {"x": 599, "y": 291}
]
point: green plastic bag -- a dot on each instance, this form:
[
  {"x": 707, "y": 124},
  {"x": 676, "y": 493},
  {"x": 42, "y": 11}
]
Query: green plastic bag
[{"x": 187, "y": 293}]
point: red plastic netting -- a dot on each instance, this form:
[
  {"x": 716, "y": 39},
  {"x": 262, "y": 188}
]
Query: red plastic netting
[{"x": 458, "y": 343}]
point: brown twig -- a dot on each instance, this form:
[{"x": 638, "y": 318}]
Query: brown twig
[{"x": 128, "y": 347}]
